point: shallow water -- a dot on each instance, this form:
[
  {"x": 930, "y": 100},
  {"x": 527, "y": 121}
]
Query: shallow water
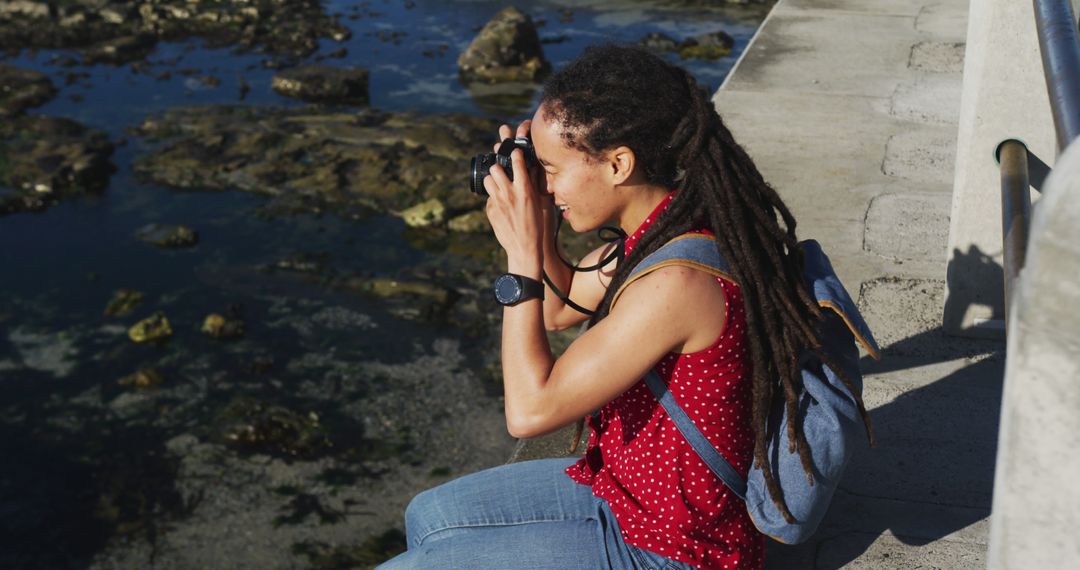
[{"x": 93, "y": 464}]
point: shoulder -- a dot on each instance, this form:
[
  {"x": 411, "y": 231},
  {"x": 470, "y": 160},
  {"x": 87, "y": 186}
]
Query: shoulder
[{"x": 680, "y": 285}]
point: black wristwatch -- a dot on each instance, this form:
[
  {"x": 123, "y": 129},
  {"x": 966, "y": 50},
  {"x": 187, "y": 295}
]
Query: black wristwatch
[{"x": 511, "y": 289}]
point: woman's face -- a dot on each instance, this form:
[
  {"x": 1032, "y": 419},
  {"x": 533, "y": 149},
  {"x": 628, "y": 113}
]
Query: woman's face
[{"x": 582, "y": 187}]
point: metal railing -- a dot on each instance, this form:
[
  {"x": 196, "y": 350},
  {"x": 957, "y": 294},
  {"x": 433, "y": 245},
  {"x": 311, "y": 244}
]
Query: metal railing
[{"x": 1059, "y": 45}]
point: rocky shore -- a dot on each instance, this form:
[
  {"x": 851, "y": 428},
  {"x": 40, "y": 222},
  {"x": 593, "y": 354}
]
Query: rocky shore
[
  {"x": 222, "y": 384},
  {"x": 120, "y": 31}
]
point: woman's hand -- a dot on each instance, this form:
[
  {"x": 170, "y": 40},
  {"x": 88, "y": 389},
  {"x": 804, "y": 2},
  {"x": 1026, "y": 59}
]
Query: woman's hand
[{"x": 516, "y": 210}]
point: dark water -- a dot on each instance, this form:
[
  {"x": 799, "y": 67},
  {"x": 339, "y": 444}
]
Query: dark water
[{"x": 68, "y": 444}]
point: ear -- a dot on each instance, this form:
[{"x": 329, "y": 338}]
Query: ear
[{"x": 621, "y": 161}]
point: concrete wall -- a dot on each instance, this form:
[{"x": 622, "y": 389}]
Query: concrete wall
[
  {"x": 1004, "y": 96},
  {"x": 1036, "y": 508}
]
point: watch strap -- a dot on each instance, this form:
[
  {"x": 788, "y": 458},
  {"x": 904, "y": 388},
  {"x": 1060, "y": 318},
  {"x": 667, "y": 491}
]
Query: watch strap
[{"x": 530, "y": 288}]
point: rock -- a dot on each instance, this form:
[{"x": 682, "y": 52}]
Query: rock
[
  {"x": 472, "y": 222},
  {"x": 302, "y": 263},
  {"x": 308, "y": 160},
  {"x": 659, "y": 42},
  {"x": 45, "y": 159},
  {"x": 217, "y": 326},
  {"x": 273, "y": 26},
  {"x": 123, "y": 303},
  {"x": 121, "y": 50},
  {"x": 154, "y": 327},
  {"x": 386, "y": 288},
  {"x": 425, "y": 214},
  {"x": 713, "y": 45},
  {"x": 507, "y": 49},
  {"x": 324, "y": 84},
  {"x": 22, "y": 89},
  {"x": 27, "y": 8},
  {"x": 263, "y": 428},
  {"x": 411, "y": 298},
  {"x": 143, "y": 378},
  {"x": 167, "y": 235}
]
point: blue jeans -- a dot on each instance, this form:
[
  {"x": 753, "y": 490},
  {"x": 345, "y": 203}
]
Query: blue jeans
[{"x": 527, "y": 515}]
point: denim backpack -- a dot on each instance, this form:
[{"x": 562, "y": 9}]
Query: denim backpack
[{"x": 831, "y": 420}]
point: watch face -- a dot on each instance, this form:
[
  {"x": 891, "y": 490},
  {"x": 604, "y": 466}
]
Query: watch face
[{"x": 507, "y": 289}]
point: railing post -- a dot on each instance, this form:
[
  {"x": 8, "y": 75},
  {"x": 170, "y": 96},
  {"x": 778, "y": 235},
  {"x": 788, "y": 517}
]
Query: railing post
[
  {"x": 1015, "y": 211},
  {"x": 1004, "y": 96}
]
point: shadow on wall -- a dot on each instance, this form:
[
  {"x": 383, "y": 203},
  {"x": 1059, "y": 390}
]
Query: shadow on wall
[
  {"x": 931, "y": 474},
  {"x": 978, "y": 267}
]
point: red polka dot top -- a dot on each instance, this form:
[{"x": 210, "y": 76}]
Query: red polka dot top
[{"x": 664, "y": 497}]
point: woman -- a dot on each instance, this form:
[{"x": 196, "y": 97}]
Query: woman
[{"x": 623, "y": 136}]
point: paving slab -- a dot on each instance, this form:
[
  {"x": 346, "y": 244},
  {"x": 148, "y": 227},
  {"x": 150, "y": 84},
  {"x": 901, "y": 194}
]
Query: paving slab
[
  {"x": 922, "y": 154},
  {"x": 930, "y": 98},
  {"x": 816, "y": 51},
  {"x": 908, "y": 226},
  {"x": 889, "y": 553},
  {"x": 937, "y": 57}
]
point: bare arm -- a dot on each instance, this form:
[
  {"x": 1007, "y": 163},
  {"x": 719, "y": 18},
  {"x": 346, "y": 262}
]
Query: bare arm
[
  {"x": 586, "y": 288},
  {"x": 651, "y": 320}
]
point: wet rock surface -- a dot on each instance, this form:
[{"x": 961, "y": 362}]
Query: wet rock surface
[
  {"x": 350, "y": 163},
  {"x": 123, "y": 302},
  {"x": 156, "y": 327},
  {"x": 22, "y": 89},
  {"x": 168, "y": 235},
  {"x": 144, "y": 378},
  {"x": 120, "y": 50},
  {"x": 324, "y": 84},
  {"x": 219, "y": 326},
  {"x": 507, "y": 49},
  {"x": 116, "y": 31},
  {"x": 44, "y": 160},
  {"x": 713, "y": 45}
]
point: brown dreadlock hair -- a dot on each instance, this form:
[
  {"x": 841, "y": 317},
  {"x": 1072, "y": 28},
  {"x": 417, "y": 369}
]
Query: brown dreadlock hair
[{"x": 625, "y": 96}]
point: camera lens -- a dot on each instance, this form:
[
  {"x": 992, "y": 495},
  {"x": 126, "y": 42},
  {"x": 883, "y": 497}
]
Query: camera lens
[
  {"x": 481, "y": 163},
  {"x": 477, "y": 172}
]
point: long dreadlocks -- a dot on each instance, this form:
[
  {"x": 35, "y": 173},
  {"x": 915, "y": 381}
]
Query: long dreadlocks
[{"x": 625, "y": 96}]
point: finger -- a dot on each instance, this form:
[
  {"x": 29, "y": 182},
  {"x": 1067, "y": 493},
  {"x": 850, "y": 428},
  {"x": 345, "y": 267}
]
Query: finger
[
  {"x": 497, "y": 183},
  {"x": 504, "y": 133},
  {"x": 524, "y": 128},
  {"x": 517, "y": 160},
  {"x": 493, "y": 191}
]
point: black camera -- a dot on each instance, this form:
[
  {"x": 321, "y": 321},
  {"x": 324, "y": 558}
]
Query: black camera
[{"x": 481, "y": 163}]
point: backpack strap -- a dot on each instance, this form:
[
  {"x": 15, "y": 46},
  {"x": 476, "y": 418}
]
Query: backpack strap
[
  {"x": 693, "y": 435},
  {"x": 827, "y": 290},
  {"x": 689, "y": 250},
  {"x": 699, "y": 252}
]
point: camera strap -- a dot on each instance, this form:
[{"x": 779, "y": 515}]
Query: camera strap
[{"x": 607, "y": 234}]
